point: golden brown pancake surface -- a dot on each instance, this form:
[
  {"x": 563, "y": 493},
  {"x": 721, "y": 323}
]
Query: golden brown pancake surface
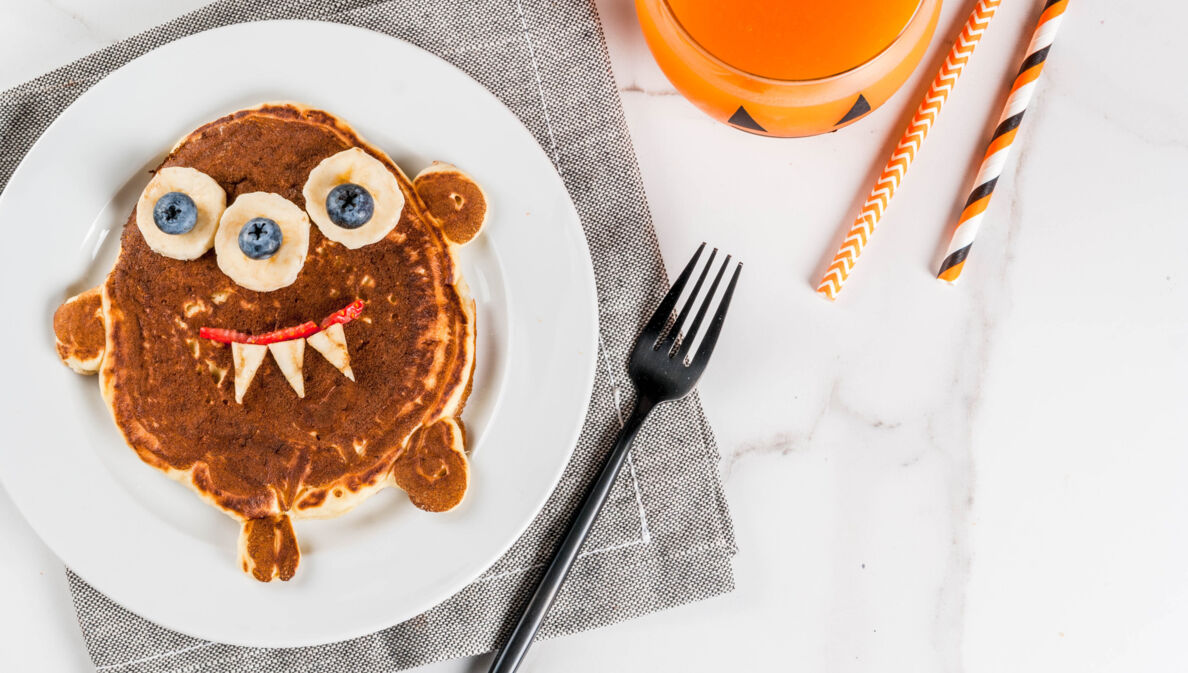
[{"x": 171, "y": 391}]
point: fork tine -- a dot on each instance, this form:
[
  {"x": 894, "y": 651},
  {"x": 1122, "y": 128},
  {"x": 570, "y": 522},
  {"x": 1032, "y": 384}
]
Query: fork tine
[
  {"x": 687, "y": 342},
  {"x": 715, "y": 326},
  {"x": 659, "y": 319},
  {"x": 675, "y": 331}
]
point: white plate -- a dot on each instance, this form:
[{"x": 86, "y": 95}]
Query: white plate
[{"x": 149, "y": 543}]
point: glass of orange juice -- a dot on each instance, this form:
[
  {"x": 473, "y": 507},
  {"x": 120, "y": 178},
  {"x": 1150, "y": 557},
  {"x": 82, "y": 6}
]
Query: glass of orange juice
[{"x": 787, "y": 67}]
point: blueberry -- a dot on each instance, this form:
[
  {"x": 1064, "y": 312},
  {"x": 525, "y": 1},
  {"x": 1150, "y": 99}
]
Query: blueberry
[
  {"x": 260, "y": 238},
  {"x": 175, "y": 213},
  {"x": 349, "y": 205}
]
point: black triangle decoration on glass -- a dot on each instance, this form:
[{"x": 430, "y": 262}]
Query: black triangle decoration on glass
[
  {"x": 742, "y": 119},
  {"x": 859, "y": 108}
]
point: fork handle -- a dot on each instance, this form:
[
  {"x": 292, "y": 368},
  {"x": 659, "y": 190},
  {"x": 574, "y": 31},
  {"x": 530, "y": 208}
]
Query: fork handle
[{"x": 508, "y": 659}]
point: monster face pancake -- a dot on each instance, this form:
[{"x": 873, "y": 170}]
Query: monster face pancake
[{"x": 286, "y": 330}]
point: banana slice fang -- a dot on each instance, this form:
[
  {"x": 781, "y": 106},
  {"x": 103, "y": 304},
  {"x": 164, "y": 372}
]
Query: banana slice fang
[
  {"x": 290, "y": 357},
  {"x": 331, "y": 343},
  {"x": 247, "y": 359}
]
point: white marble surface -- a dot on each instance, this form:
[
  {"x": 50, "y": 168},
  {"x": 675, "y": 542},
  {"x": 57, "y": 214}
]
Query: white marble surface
[{"x": 923, "y": 478}]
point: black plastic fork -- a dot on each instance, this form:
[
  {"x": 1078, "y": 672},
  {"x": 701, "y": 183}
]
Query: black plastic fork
[{"x": 662, "y": 370}]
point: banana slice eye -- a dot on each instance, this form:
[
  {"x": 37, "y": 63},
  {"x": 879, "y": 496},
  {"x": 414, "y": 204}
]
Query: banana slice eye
[
  {"x": 353, "y": 198},
  {"x": 262, "y": 241},
  {"x": 178, "y": 212}
]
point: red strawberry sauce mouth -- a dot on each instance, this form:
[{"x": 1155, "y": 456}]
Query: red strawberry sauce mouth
[{"x": 309, "y": 328}]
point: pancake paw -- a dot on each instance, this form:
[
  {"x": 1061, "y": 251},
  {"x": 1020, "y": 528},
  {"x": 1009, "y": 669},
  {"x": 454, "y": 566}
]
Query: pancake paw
[
  {"x": 454, "y": 200},
  {"x": 433, "y": 468},
  {"x": 268, "y": 548},
  {"x": 80, "y": 333}
]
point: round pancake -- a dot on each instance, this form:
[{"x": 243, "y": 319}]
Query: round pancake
[{"x": 412, "y": 350}]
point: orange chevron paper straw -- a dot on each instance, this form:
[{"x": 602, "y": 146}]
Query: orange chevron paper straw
[
  {"x": 1000, "y": 143},
  {"x": 843, "y": 262}
]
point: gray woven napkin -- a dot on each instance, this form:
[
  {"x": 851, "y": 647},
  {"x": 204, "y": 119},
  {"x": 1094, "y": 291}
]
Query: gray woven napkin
[{"x": 665, "y": 537}]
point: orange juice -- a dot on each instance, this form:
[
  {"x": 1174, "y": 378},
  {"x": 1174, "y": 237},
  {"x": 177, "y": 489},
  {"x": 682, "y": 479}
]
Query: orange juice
[{"x": 788, "y": 67}]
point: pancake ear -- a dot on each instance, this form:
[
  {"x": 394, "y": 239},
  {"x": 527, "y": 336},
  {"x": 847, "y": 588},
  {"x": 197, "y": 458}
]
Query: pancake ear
[
  {"x": 454, "y": 199},
  {"x": 433, "y": 469},
  {"x": 80, "y": 331}
]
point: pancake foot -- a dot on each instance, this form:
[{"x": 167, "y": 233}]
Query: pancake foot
[
  {"x": 454, "y": 200},
  {"x": 433, "y": 469},
  {"x": 268, "y": 548},
  {"x": 79, "y": 331}
]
